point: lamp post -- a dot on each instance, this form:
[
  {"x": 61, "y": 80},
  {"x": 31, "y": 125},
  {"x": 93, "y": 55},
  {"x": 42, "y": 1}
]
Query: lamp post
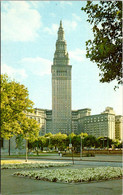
[
  {"x": 27, "y": 138},
  {"x": 103, "y": 142},
  {"x": 49, "y": 143},
  {"x": 107, "y": 143},
  {"x": 81, "y": 148}
]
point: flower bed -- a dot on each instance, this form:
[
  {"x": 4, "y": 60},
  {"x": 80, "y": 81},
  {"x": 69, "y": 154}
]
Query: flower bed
[
  {"x": 32, "y": 165},
  {"x": 73, "y": 175}
]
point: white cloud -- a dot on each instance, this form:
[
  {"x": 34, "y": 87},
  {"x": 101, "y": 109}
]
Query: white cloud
[
  {"x": 78, "y": 55},
  {"x": 20, "y": 21},
  {"x": 78, "y": 18},
  {"x": 19, "y": 73},
  {"x": 52, "y": 30},
  {"x": 37, "y": 66}
]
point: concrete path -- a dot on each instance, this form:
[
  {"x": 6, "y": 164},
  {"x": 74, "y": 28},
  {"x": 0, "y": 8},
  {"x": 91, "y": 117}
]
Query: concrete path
[{"x": 98, "y": 157}]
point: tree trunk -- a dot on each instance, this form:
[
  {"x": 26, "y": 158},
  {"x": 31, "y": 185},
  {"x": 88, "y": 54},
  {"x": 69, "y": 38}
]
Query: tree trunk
[
  {"x": 9, "y": 147},
  {"x": 26, "y": 150}
]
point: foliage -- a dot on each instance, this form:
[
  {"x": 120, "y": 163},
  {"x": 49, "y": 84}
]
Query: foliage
[
  {"x": 30, "y": 128},
  {"x": 58, "y": 140},
  {"x": 48, "y": 135},
  {"x": 19, "y": 142},
  {"x": 90, "y": 141},
  {"x": 120, "y": 145},
  {"x": 70, "y": 138},
  {"x": 104, "y": 142},
  {"x": 62, "y": 141},
  {"x": 83, "y": 134},
  {"x": 14, "y": 103},
  {"x": 78, "y": 140},
  {"x": 106, "y": 47},
  {"x": 116, "y": 143},
  {"x": 40, "y": 142}
]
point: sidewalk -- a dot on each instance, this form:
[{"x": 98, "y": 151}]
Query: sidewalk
[{"x": 98, "y": 158}]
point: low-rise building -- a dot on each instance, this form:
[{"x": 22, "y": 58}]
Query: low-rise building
[{"x": 106, "y": 124}]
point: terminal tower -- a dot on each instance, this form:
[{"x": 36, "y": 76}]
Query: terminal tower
[{"x": 61, "y": 87}]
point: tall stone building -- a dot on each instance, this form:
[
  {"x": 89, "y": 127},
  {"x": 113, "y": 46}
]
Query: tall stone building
[
  {"x": 61, "y": 87},
  {"x": 119, "y": 127}
]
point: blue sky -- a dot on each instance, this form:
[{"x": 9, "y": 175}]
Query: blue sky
[{"x": 29, "y": 33}]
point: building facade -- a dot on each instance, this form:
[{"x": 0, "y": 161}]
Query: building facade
[
  {"x": 119, "y": 127},
  {"x": 106, "y": 124}
]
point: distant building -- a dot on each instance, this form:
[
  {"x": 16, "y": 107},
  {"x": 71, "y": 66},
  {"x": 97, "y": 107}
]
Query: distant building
[
  {"x": 119, "y": 127},
  {"x": 106, "y": 124}
]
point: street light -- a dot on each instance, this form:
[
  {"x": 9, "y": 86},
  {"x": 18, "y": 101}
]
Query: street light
[
  {"x": 81, "y": 148},
  {"x": 107, "y": 143},
  {"x": 49, "y": 142}
]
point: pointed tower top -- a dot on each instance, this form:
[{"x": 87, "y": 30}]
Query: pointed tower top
[
  {"x": 60, "y": 23},
  {"x": 61, "y": 56},
  {"x": 61, "y": 32}
]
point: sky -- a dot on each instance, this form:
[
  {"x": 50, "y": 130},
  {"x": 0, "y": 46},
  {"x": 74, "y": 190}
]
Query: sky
[{"x": 28, "y": 38}]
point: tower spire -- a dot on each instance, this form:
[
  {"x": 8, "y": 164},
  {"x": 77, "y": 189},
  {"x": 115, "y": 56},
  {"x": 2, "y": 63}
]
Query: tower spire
[
  {"x": 61, "y": 55},
  {"x": 61, "y": 23},
  {"x": 61, "y": 87},
  {"x": 61, "y": 32}
]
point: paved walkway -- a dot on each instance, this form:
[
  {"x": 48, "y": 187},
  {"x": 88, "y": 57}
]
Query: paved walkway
[
  {"x": 98, "y": 158},
  {"x": 101, "y": 158}
]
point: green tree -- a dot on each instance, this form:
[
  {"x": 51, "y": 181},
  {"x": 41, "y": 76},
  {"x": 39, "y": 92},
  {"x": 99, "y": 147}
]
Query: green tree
[
  {"x": 83, "y": 134},
  {"x": 90, "y": 141},
  {"x": 104, "y": 142},
  {"x": 76, "y": 141},
  {"x": 58, "y": 140},
  {"x": 116, "y": 143},
  {"x": 30, "y": 131},
  {"x": 14, "y": 102},
  {"x": 19, "y": 142},
  {"x": 42, "y": 142},
  {"x": 106, "y": 47},
  {"x": 48, "y": 135}
]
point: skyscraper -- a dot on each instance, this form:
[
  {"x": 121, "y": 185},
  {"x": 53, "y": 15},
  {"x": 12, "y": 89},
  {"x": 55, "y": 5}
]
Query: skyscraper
[{"x": 61, "y": 86}]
